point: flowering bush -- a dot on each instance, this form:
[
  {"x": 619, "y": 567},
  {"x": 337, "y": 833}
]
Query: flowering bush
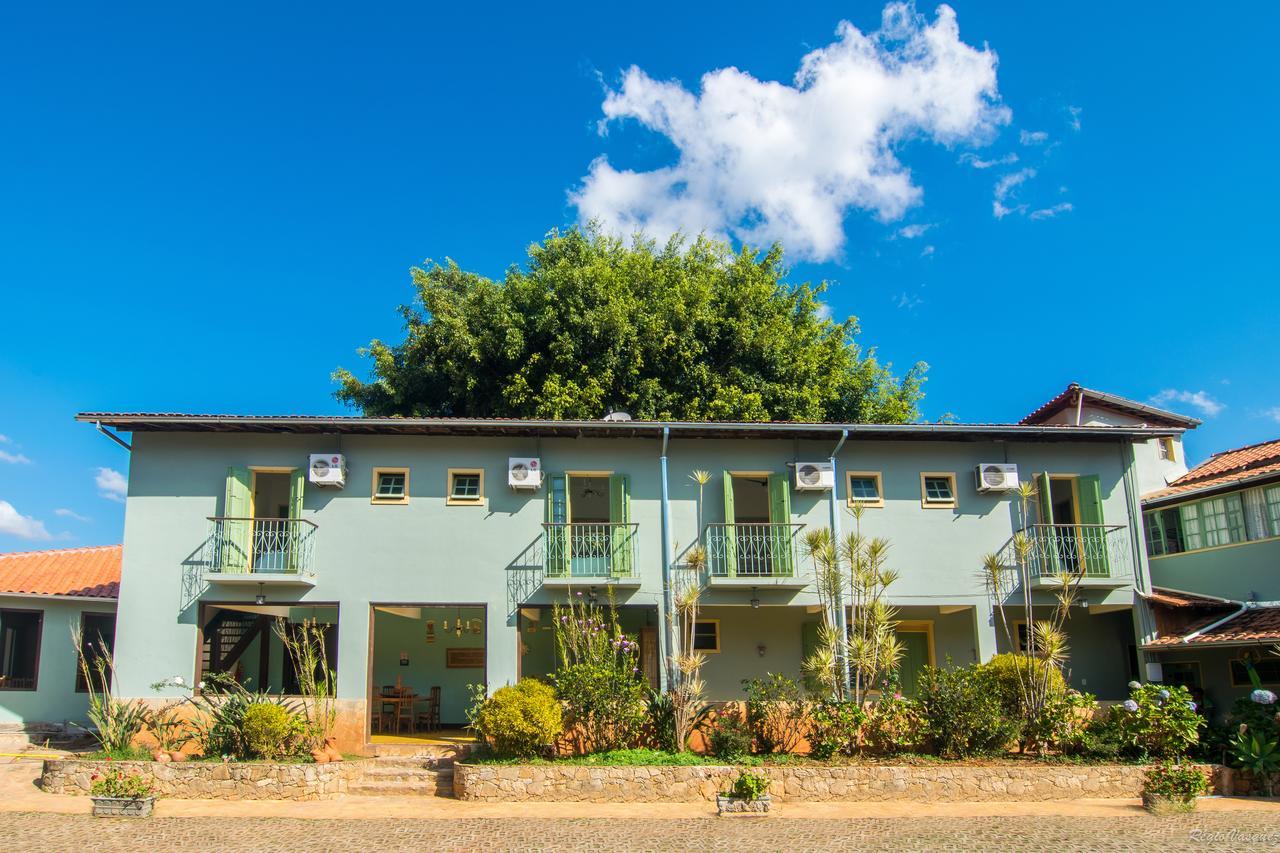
[
  {"x": 1175, "y": 782},
  {"x": 519, "y": 721},
  {"x": 599, "y": 677},
  {"x": 1158, "y": 720},
  {"x": 728, "y": 737},
  {"x": 775, "y": 712},
  {"x": 114, "y": 782},
  {"x": 893, "y": 722}
]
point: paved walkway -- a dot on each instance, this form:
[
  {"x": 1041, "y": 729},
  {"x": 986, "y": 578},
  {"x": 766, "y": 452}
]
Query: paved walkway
[{"x": 33, "y": 820}]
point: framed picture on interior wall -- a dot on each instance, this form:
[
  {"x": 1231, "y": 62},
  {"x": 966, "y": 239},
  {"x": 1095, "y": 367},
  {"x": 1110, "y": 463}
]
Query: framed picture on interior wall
[
  {"x": 431, "y": 630},
  {"x": 475, "y": 626},
  {"x": 464, "y": 658},
  {"x": 404, "y": 658}
]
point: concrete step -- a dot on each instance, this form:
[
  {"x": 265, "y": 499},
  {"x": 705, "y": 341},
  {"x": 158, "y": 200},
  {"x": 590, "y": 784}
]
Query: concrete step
[{"x": 365, "y": 788}]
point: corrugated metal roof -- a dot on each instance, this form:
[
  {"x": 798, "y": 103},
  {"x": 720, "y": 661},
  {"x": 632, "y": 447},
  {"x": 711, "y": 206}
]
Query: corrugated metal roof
[{"x": 79, "y": 572}]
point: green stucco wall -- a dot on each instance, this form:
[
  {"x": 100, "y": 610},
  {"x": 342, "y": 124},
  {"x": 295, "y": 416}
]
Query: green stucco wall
[{"x": 1250, "y": 569}]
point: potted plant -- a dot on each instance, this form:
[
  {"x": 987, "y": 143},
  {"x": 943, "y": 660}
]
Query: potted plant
[
  {"x": 748, "y": 793},
  {"x": 1173, "y": 788},
  {"x": 117, "y": 794}
]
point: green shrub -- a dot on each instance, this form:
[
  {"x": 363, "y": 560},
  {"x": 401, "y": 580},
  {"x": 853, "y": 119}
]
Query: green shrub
[
  {"x": 1158, "y": 720},
  {"x": 775, "y": 712},
  {"x": 893, "y": 724},
  {"x": 1175, "y": 781},
  {"x": 520, "y": 721},
  {"x": 1062, "y": 723},
  {"x": 268, "y": 730},
  {"x": 749, "y": 785},
  {"x": 660, "y": 730},
  {"x": 1004, "y": 670},
  {"x": 962, "y": 712},
  {"x": 835, "y": 728},
  {"x": 728, "y": 737},
  {"x": 218, "y": 726}
]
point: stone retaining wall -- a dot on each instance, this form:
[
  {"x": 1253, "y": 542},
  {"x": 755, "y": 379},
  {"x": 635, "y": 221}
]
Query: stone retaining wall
[
  {"x": 213, "y": 780},
  {"x": 931, "y": 783}
]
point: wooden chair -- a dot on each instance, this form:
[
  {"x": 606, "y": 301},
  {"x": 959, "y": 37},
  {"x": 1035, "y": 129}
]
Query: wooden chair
[
  {"x": 430, "y": 718},
  {"x": 384, "y": 718},
  {"x": 404, "y": 714}
]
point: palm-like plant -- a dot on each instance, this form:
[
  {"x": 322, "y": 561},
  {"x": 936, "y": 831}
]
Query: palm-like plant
[{"x": 115, "y": 722}]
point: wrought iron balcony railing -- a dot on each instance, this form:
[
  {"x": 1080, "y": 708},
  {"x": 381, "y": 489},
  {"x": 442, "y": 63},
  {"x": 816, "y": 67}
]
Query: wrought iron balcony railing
[
  {"x": 1088, "y": 551},
  {"x": 589, "y": 550},
  {"x": 753, "y": 550},
  {"x": 273, "y": 546}
]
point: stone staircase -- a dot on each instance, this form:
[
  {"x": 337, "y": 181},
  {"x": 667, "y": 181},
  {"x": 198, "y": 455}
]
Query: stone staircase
[{"x": 428, "y": 776}]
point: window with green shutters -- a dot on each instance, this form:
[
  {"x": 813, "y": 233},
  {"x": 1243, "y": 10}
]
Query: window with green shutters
[
  {"x": 1213, "y": 522},
  {"x": 1271, "y": 497}
]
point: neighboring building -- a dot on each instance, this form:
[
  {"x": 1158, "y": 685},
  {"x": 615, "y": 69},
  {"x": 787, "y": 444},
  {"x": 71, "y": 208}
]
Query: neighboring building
[
  {"x": 46, "y": 597},
  {"x": 1213, "y": 537},
  {"x": 431, "y": 570}
]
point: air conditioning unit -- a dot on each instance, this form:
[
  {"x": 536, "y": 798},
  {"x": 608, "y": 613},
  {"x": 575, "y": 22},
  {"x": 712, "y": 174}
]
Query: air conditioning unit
[
  {"x": 996, "y": 477},
  {"x": 814, "y": 476},
  {"x": 524, "y": 472},
  {"x": 327, "y": 469}
]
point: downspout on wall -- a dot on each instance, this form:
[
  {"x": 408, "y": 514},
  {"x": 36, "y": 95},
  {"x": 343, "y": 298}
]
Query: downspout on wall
[
  {"x": 835, "y": 536},
  {"x": 667, "y": 650},
  {"x": 1144, "y": 623}
]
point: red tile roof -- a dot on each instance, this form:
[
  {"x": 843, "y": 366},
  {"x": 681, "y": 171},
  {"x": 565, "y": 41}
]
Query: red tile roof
[
  {"x": 1224, "y": 469},
  {"x": 1149, "y": 414},
  {"x": 80, "y": 572},
  {"x": 1256, "y": 625},
  {"x": 1178, "y": 598}
]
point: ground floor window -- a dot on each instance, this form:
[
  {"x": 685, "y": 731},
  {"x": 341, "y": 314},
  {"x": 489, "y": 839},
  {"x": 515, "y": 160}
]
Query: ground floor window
[
  {"x": 242, "y": 642},
  {"x": 1267, "y": 669},
  {"x": 1184, "y": 673},
  {"x": 20, "y": 648},
  {"x": 706, "y": 635},
  {"x": 97, "y": 641}
]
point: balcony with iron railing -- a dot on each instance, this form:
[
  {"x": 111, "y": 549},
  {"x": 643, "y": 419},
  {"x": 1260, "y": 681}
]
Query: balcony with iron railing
[
  {"x": 260, "y": 551},
  {"x": 589, "y": 552},
  {"x": 1094, "y": 555},
  {"x": 753, "y": 554}
]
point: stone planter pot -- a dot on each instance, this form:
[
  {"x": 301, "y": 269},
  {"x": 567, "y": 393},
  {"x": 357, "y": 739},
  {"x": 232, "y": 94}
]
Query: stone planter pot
[
  {"x": 122, "y": 806},
  {"x": 1159, "y": 804},
  {"x": 726, "y": 804}
]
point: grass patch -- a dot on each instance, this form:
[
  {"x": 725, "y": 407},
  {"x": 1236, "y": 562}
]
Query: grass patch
[
  {"x": 129, "y": 753},
  {"x": 660, "y": 758}
]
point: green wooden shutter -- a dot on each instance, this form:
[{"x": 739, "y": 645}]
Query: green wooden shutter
[
  {"x": 1044, "y": 498},
  {"x": 1096, "y": 558},
  {"x": 780, "y": 514},
  {"x": 1044, "y": 554},
  {"x": 557, "y": 534},
  {"x": 236, "y": 530},
  {"x": 294, "y": 529},
  {"x": 730, "y": 534},
  {"x": 620, "y": 542}
]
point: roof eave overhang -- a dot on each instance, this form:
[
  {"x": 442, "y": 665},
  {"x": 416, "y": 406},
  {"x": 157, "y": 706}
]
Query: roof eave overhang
[
  {"x": 54, "y": 596},
  {"x": 1205, "y": 491},
  {"x": 613, "y": 429}
]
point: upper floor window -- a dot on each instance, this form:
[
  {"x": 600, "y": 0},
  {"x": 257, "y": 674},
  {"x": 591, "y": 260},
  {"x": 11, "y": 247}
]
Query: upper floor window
[
  {"x": 1164, "y": 532},
  {"x": 1165, "y": 449},
  {"x": 938, "y": 489},
  {"x": 865, "y": 488},
  {"x": 1212, "y": 522},
  {"x": 1271, "y": 498},
  {"x": 466, "y": 487},
  {"x": 390, "y": 485}
]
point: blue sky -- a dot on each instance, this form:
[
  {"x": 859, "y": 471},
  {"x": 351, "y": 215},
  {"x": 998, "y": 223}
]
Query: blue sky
[{"x": 209, "y": 209}]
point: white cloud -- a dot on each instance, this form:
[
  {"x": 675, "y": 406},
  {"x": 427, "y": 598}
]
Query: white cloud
[
  {"x": 1005, "y": 188},
  {"x": 67, "y": 513},
  {"x": 908, "y": 301},
  {"x": 112, "y": 485},
  {"x": 824, "y": 311},
  {"x": 911, "y": 232},
  {"x": 1273, "y": 413},
  {"x": 1074, "y": 121},
  {"x": 14, "y": 458},
  {"x": 927, "y": 251},
  {"x": 15, "y": 523},
  {"x": 763, "y": 161},
  {"x": 1050, "y": 212},
  {"x": 977, "y": 162},
  {"x": 1199, "y": 400},
  {"x": 1033, "y": 137}
]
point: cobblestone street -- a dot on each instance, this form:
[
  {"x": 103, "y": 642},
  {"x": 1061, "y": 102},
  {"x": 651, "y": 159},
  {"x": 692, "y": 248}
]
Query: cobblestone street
[{"x": 1208, "y": 831}]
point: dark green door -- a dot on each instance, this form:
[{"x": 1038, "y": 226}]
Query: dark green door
[{"x": 915, "y": 657}]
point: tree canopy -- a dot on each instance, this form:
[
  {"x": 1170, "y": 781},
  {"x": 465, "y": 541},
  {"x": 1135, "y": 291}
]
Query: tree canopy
[{"x": 688, "y": 331}]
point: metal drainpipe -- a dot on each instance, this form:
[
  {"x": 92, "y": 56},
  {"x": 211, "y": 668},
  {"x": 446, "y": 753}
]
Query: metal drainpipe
[
  {"x": 835, "y": 536},
  {"x": 667, "y": 641}
]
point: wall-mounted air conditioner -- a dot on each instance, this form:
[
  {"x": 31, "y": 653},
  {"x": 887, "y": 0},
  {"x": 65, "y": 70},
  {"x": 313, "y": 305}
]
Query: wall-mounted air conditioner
[
  {"x": 524, "y": 472},
  {"x": 814, "y": 476},
  {"x": 327, "y": 469},
  {"x": 996, "y": 477}
]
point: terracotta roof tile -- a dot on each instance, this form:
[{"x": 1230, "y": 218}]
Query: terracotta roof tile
[
  {"x": 1225, "y": 468},
  {"x": 1177, "y": 598},
  {"x": 1256, "y": 625},
  {"x": 81, "y": 572}
]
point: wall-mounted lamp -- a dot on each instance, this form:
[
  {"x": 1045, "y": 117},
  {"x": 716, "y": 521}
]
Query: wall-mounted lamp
[
  {"x": 755, "y": 599},
  {"x": 261, "y": 597},
  {"x": 761, "y": 649}
]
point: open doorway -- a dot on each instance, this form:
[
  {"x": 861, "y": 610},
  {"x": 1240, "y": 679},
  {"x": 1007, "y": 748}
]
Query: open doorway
[
  {"x": 241, "y": 642},
  {"x": 539, "y": 656},
  {"x": 423, "y": 659}
]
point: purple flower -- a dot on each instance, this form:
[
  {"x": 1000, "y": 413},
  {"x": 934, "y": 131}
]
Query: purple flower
[
  {"x": 1191, "y": 705},
  {"x": 1164, "y": 694},
  {"x": 1263, "y": 697},
  {"x": 1130, "y": 705}
]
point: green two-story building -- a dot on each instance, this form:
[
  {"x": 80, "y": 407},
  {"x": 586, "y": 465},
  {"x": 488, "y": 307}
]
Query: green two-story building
[{"x": 434, "y": 548}]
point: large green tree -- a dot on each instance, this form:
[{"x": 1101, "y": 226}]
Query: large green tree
[{"x": 689, "y": 331}]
